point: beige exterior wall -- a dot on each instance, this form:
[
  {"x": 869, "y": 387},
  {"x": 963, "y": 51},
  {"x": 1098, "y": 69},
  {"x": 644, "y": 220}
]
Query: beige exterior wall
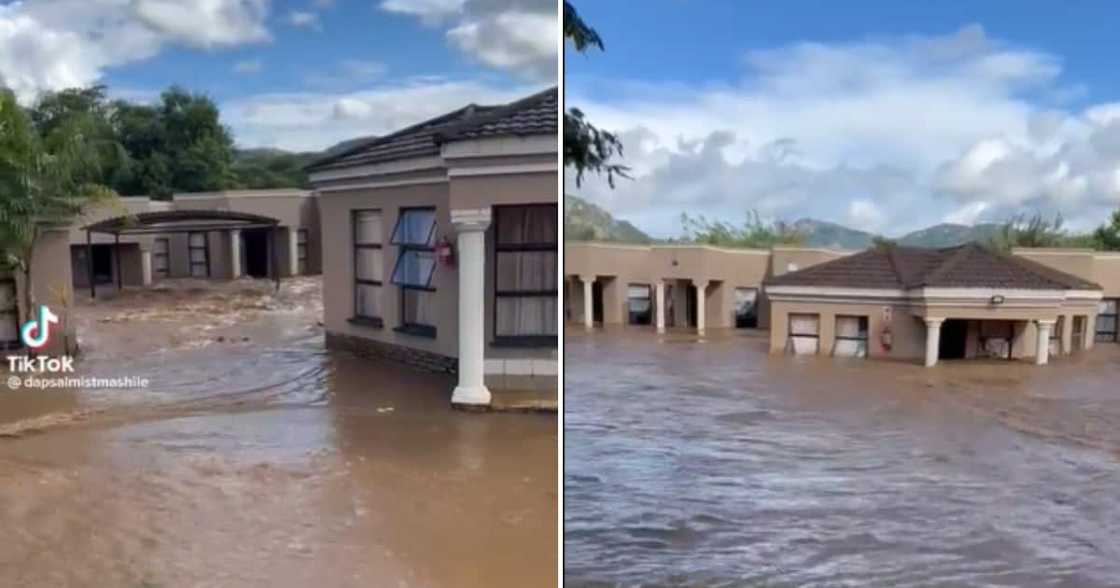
[
  {"x": 473, "y": 192},
  {"x": 617, "y": 266}
]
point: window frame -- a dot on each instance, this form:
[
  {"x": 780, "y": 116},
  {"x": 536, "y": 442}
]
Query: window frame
[
  {"x": 499, "y": 248},
  {"x": 302, "y": 237},
  {"x": 165, "y": 256},
  {"x": 649, "y": 298},
  {"x": 408, "y": 328},
  {"x": 1115, "y": 332},
  {"x": 357, "y": 317},
  {"x": 790, "y": 334},
  {"x": 865, "y": 328},
  {"x": 205, "y": 248}
]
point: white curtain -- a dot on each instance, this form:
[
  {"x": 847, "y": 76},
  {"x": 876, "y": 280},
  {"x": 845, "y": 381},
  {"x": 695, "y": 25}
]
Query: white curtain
[
  {"x": 368, "y": 303},
  {"x": 854, "y": 343},
  {"x": 367, "y": 227},
  {"x": 370, "y": 264},
  {"x": 419, "y": 307},
  {"x": 526, "y": 271},
  {"x": 525, "y": 315},
  {"x": 804, "y": 330}
]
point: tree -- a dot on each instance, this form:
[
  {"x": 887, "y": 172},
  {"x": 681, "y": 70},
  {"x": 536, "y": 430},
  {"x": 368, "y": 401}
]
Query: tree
[
  {"x": 753, "y": 233},
  {"x": 1107, "y": 236},
  {"x": 44, "y": 180},
  {"x": 587, "y": 148},
  {"x": 1034, "y": 231}
]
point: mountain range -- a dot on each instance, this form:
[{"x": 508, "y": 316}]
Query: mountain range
[{"x": 584, "y": 221}]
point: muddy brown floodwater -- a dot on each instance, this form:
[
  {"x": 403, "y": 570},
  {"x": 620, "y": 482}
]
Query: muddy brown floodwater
[
  {"x": 712, "y": 463},
  {"x": 258, "y": 458}
]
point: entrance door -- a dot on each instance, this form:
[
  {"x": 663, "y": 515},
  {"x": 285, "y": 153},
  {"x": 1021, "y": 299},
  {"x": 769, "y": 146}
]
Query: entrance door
[
  {"x": 690, "y": 305},
  {"x": 954, "y": 333},
  {"x": 254, "y": 249},
  {"x": 102, "y": 264},
  {"x": 597, "y": 302}
]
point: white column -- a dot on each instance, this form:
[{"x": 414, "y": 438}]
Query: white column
[
  {"x": 235, "y": 253},
  {"x": 588, "y": 308},
  {"x": 471, "y": 226},
  {"x": 293, "y": 251},
  {"x": 933, "y": 340},
  {"x": 146, "y": 266},
  {"x": 701, "y": 290},
  {"x": 1090, "y": 331},
  {"x": 660, "y": 299},
  {"x": 1042, "y": 353}
]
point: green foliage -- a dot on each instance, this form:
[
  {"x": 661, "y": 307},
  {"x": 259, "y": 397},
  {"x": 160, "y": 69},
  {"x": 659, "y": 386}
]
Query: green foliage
[
  {"x": 1107, "y": 236},
  {"x": 879, "y": 242},
  {"x": 270, "y": 168},
  {"x": 587, "y": 148},
  {"x": 1034, "y": 231},
  {"x": 45, "y": 178},
  {"x": 753, "y": 233}
]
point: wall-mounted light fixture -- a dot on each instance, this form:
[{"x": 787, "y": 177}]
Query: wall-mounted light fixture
[{"x": 997, "y": 299}]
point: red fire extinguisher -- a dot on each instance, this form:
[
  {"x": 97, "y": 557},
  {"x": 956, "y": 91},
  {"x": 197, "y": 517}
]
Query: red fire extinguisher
[{"x": 445, "y": 253}]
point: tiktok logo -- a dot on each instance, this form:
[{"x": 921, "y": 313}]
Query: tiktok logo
[{"x": 36, "y": 332}]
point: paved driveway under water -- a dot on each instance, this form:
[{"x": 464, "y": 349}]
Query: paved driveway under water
[
  {"x": 268, "y": 462},
  {"x": 712, "y": 463}
]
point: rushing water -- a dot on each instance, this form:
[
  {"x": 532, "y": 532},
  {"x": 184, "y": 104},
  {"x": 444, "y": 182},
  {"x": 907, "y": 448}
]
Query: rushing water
[
  {"x": 711, "y": 463},
  {"x": 268, "y": 462}
]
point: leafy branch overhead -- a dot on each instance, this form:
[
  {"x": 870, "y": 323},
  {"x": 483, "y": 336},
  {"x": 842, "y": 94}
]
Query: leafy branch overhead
[{"x": 587, "y": 148}]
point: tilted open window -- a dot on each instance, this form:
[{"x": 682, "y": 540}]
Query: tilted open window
[{"x": 415, "y": 235}]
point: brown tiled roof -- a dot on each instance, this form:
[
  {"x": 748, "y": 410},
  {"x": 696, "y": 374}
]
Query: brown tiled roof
[
  {"x": 534, "y": 115},
  {"x": 964, "y": 266}
]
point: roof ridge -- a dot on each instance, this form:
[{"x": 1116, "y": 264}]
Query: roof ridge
[
  {"x": 434, "y": 121},
  {"x": 949, "y": 263},
  {"x": 495, "y": 113}
]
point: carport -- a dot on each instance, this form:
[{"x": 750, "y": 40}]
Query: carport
[{"x": 181, "y": 221}]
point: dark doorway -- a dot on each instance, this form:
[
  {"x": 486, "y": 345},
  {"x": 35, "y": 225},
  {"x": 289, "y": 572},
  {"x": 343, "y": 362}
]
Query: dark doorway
[
  {"x": 597, "y": 302},
  {"x": 954, "y": 334},
  {"x": 254, "y": 251},
  {"x": 103, "y": 264},
  {"x": 690, "y": 305}
]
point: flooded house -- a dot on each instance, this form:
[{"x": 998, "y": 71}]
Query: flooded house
[
  {"x": 903, "y": 303},
  {"x": 440, "y": 247},
  {"x": 137, "y": 241}
]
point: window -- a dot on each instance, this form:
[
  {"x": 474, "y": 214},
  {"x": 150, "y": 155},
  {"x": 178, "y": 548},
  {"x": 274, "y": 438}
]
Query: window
[
  {"x": 746, "y": 308},
  {"x": 415, "y": 235},
  {"x": 161, "y": 250},
  {"x": 804, "y": 333},
  {"x": 9, "y": 315},
  {"x": 1107, "y": 319},
  {"x": 638, "y": 303},
  {"x": 301, "y": 251},
  {"x": 198, "y": 247},
  {"x": 369, "y": 266},
  {"x": 1078, "y": 339},
  {"x": 1056, "y": 336},
  {"x": 851, "y": 336},
  {"x": 526, "y": 269}
]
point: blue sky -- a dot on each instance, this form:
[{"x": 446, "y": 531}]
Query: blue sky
[
  {"x": 297, "y": 74},
  {"x": 887, "y": 116}
]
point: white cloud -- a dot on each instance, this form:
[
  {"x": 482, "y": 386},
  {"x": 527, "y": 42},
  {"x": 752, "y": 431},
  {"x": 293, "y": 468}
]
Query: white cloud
[
  {"x": 511, "y": 40},
  {"x": 304, "y": 20},
  {"x": 316, "y": 120},
  {"x": 206, "y": 23},
  {"x": 893, "y": 132},
  {"x": 521, "y": 36},
  {"x": 66, "y": 43},
  {"x": 429, "y": 10},
  {"x": 248, "y": 66}
]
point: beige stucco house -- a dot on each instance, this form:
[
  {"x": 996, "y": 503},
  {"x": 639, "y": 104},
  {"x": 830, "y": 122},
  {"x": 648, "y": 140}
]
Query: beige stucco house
[
  {"x": 136, "y": 241},
  {"x": 440, "y": 246},
  {"x": 900, "y": 303}
]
